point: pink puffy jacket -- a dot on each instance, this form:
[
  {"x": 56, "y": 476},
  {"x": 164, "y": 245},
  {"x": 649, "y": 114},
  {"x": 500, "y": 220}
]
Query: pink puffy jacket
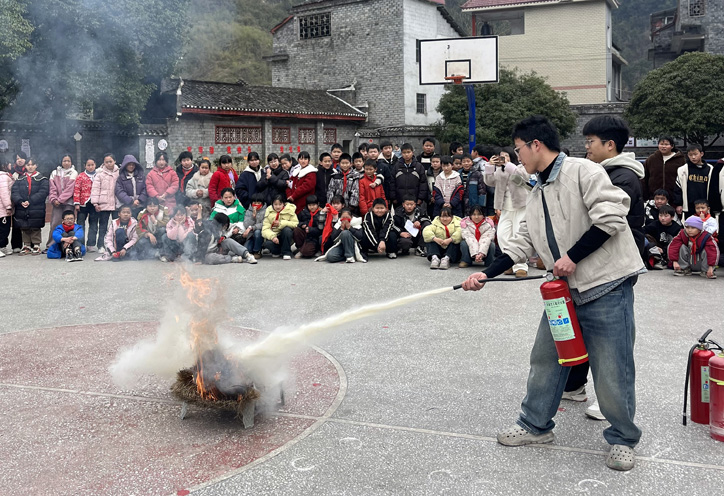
[
  {"x": 163, "y": 181},
  {"x": 6, "y": 184},
  {"x": 62, "y": 185},
  {"x": 103, "y": 191},
  {"x": 178, "y": 232}
]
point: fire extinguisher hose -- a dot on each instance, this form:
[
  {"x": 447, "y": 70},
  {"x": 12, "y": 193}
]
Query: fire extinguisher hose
[{"x": 548, "y": 276}]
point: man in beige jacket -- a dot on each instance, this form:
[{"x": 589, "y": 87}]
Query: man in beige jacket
[{"x": 576, "y": 221}]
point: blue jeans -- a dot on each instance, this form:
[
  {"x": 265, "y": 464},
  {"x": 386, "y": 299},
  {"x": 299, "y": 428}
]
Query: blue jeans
[
  {"x": 254, "y": 243},
  {"x": 608, "y": 329}
]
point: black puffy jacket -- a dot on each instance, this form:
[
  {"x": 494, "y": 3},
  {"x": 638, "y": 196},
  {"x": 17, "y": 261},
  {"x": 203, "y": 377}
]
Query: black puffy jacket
[
  {"x": 408, "y": 180},
  {"x": 32, "y": 216},
  {"x": 627, "y": 180}
]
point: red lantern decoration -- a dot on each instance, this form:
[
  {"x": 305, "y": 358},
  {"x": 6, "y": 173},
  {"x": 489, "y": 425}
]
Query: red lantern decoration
[
  {"x": 211, "y": 150},
  {"x": 238, "y": 149},
  {"x": 281, "y": 149},
  {"x": 188, "y": 148},
  {"x": 290, "y": 148},
  {"x": 228, "y": 150},
  {"x": 248, "y": 149},
  {"x": 201, "y": 150},
  {"x": 299, "y": 148}
]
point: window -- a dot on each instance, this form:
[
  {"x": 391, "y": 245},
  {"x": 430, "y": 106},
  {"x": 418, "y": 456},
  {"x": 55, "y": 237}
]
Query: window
[
  {"x": 281, "y": 135},
  {"x": 421, "y": 103},
  {"x": 233, "y": 135},
  {"x": 696, "y": 8},
  {"x": 417, "y": 51},
  {"x": 307, "y": 136},
  {"x": 314, "y": 26},
  {"x": 330, "y": 136},
  {"x": 504, "y": 23}
]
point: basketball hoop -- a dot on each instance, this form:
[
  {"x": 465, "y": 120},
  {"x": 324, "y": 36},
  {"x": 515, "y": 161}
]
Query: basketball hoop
[{"x": 456, "y": 78}]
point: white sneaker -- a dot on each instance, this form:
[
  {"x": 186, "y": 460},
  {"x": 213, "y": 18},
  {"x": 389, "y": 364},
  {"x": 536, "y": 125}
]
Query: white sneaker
[
  {"x": 594, "y": 412},
  {"x": 298, "y": 255},
  {"x": 8, "y": 250},
  {"x": 392, "y": 255},
  {"x": 434, "y": 262},
  {"x": 250, "y": 258},
  {"x": 163, "y": 259},
  {"x": 445, "y": 263},
  {"x": 2, "y": 253},
  {"x": 286, "y": 257},
  {"x": 578, "y": 395},
  {"x": 16, "y": 250},
  {"x": 351, "y": 260},
  {"x": 236, "y": 259}
]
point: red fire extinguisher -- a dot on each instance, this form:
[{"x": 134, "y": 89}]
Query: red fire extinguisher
[
  {"x": 563, "y": 322},
  {"x": 697, "y": 371},
  {"x": 716, "y": 403}
]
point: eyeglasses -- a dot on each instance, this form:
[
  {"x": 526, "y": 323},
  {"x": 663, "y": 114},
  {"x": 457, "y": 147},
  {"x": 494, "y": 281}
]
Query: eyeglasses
[
  {"x": 517, "y": 150},
  {"x": 590, "y": 142}
]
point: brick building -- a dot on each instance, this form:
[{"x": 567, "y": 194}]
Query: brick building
[
  {"x": 365, "y": 52},
  {"x": 568, "y": 42}
]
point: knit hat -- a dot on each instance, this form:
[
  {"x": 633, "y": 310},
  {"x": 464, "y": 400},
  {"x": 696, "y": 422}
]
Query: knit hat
[{"x": 695, "y": 221}]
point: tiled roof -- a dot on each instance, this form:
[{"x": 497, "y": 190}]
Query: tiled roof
[
  {"x": 227, "y": 98},
  {"x": 481, "y": 4}
]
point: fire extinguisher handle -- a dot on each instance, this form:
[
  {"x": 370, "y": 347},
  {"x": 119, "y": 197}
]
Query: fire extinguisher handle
[{"x": 702, "y": 339}]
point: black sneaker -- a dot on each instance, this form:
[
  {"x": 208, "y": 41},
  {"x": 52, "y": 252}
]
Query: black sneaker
[
  {"x": 69, "y": 255},
  {"x": 78, "y": 255}
]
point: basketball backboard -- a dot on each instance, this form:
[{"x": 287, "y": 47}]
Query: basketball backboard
[{"x": 475, "y": 57}]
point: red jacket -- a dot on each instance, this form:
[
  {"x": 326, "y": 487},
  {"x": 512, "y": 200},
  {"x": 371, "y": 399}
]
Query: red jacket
[
  {"x": 163, "y": 181},
  {"x": 82, "y": 190},
  {"x": 303, "y": 185},
  {"x": 220, "y": 180},
  {"x": 703, "y": 242},
  {"x": 367, "y": 194}
]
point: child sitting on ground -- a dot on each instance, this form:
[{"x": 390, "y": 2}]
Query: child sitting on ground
[
  {"x": 121, "y": 237},
  {"x": 659, "y": 234},
  {"x": 651, "y": 207},
  {"x": 370, "y": 186},
  {"x": 67, "y": 239},
  {"x": 151, "y": 227},
  {"x": 411, "y": 220},
  {"x": 198, "y": 186},
  {"x": 693, "y": 251},
  {"x": 253, "y": 223},
  {"x": 443, "y": 238},
  {"x": 279, "y": 222},
  {"x": 345, "y": 240},
  {"x": 234, "y": 210},
  {"x": 180, "y": 238},
  {"x": 219, "y": 248},
  {"x": 308, "y": 234},
  {"x": 380, "y": 233},
  {"x": 478, "y": 233},
  {"x": 448, "y": 190}
]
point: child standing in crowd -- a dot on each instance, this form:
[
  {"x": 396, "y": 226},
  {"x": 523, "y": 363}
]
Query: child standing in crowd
[
  {"x": 303, "y": 182},
  {"x": 84, "y": 209},
  {"x": 121, "y": 237},
  {"x": 180, "y": 238},
  {"x": 473, "y": 184},
  {"x": 411, "y": 220},
  {"x": 373, "y": 153},
  {"x": 358, "y": 163},
  {"x": 478, "y": 233},
  {"x": 198, "y": 186},
  {"x": 273, "y": 179},
  {"x": 248, "y": 179},
  {"x": 370, "y": 187},
  {"x": 220, "y": 249},
  {"x": 432, "y": 173},
  {"x": 67, "y": 239},
  {"x": 458, "y": 162},
  {"x": 380, "y": 233},
  {"x": 289, "y": 164},
  {"x": 62, "y": 185},
  {"x": 17, "y": 170},
  {"x": 152, "y": 223},
  {"x": 428, "y": 151},
  {"x": 336, "y": 152},
  {"x": 308, "y": 234},
  {"x": 324, "y": 175},
  {"x": 710, "y": 223},
  {"x": 448, "y": 190},
  {"x": 234, "y": 210},
  {"x": 408, "y": 177},
  {"x": 185, "y": 171},
  {"x": 103, "y": 196},
  {"x": 224, "y": 177},
  {"x": 443, "y": 238},
  {"x": 29, "y": 194},
  {"x": 345, "y": 239},
  {"x": 278, "y": 230},
  {"x": 345, "y": 183},
  {"x": 253, "y": 224},
  {"x": 162, "y": 182},
  {"x": 131, "y": 185},
  {"x": 6, "y": 211},
  {"x": 659, "y": 234},
  {"x": 693, "y": 250},
  {"x": 692, "y": 180}
]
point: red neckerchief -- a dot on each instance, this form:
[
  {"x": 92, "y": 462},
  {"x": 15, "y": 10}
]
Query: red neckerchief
[
  {"x": 328, "y": 225},
  {"x": 344, "y": 181},
  {"x": 708, "y": 216},
  {"x": 68, "y": 228},
  {"x": 447, "y": 231},
  {"x": 186, "y": 173},
  {"x": 312, "y": 214},
  {"x": 30, "y": 181},
  {"x": 477, "y": 229},
  {"x": 277, "y": 217}
]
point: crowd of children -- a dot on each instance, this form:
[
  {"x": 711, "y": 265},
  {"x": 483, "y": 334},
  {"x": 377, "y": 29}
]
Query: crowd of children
[{"x": 452, "y": 209}]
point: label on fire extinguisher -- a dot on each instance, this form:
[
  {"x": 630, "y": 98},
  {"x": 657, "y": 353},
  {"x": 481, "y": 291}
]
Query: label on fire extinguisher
[
  {"x": 705, "y": 384},
  {"x": 559, "y": 319}
]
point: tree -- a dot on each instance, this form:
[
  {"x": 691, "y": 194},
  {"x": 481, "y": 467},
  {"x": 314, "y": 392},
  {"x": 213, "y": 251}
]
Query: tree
[
  {"x": 94, "y": 54},
  {"x": 499, "y": 106},
  {"x": 683, "y": 98},
  {"x": 15, "y": 32}
]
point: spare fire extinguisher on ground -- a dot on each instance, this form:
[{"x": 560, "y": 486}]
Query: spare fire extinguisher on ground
[
  {"x": 563, "y": 322},
  {"x": 705, "y": 373}
]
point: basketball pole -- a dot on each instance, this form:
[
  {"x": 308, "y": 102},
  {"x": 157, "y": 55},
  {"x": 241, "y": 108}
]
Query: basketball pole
[{"x": 470, "y": 92}]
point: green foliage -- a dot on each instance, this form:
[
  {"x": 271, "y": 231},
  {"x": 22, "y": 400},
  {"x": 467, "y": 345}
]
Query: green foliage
[
  {"x": 684, "y": 98},
  {"x": 499, "y": 106},
  {"x": 94, "y": 54},
  {"x": 15, "y": 32}
]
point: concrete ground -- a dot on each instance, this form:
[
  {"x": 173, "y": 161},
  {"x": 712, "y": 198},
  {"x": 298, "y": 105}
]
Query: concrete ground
[{"x": 416, "y": 400}]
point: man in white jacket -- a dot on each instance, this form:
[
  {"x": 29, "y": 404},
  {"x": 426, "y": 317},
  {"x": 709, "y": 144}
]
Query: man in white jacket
[{"x": 575, "y": 220}]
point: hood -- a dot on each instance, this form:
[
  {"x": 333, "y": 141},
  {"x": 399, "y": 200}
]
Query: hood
[
  {"x": 468, "y": 222},
  {"x": 130, "y": 159},
  {"x": 451, "y": 176},
  {"x": 627, "y": 160},
  {"x": 59, "y": 171},
  {"x": 303, "y": 172},
  {"x": 703, "y": 165},
  {"x": 290, "y": 208},
  {"x": 256, "y": 173}
]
